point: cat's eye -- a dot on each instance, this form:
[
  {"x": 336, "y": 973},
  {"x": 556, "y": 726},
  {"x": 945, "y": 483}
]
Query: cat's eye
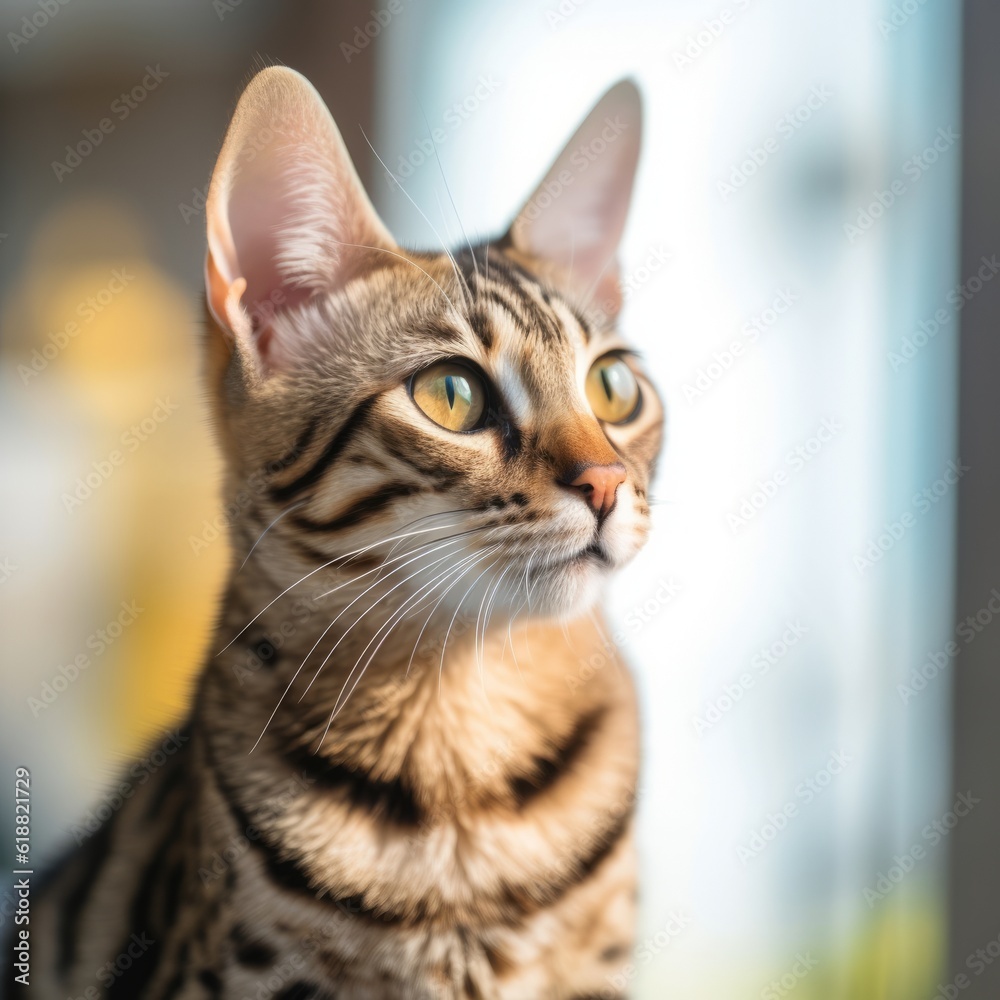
[
  {"x": 612, "y": 390},
  {"x": 451, "y": 394}
]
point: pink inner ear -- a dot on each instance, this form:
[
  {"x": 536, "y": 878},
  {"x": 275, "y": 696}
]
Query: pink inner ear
[
  {"x": 580, "y": 229},
  {"x": 284, "y": 203},
  {"x": 259, "y": 207}
]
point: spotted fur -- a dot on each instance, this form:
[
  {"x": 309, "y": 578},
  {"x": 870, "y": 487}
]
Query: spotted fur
[{"x": 411, "y": 772}]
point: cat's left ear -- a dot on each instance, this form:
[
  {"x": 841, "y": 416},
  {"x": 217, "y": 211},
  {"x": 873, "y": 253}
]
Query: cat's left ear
[
  {"x": 287, "y": 215},
  {"x": 576, "y": 216}
]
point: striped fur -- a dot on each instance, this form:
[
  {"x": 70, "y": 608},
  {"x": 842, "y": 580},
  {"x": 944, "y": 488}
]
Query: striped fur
[{"x": 411, "y": 772}]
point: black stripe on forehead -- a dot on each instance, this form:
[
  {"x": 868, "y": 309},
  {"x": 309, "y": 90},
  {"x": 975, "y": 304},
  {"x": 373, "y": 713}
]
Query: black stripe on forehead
[
  {"x": 520, "y": 283},
  {"x": 441, "y": 333},
  {"x": 473, "y": 261},
  {"x": 481, "y": 326},
  {"x": 492, "y": 293},
  {"x": 585, "y": 327}
]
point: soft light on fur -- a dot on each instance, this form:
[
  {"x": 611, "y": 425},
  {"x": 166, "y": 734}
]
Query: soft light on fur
[{"x": 412, "y": 768}]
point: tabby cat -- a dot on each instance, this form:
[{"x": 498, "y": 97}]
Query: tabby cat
[{"x": 411, "y": 771}]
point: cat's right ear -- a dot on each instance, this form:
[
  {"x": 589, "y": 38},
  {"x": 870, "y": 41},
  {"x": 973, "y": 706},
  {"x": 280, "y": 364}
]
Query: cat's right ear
[
  {"x": 287, "y": 215},
  {"x": 576, "y": 216}
]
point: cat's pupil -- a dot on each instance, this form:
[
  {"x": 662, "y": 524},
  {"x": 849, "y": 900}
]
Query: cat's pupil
[
  {"x": 606, "y": 382},
  {"x": 449, "y": 387}
]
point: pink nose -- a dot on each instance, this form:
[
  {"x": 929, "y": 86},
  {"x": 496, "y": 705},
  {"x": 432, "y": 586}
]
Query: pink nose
[{"x": 599, "y": 484}]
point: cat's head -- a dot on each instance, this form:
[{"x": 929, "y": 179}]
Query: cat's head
[{"x": 473, "y": 418}]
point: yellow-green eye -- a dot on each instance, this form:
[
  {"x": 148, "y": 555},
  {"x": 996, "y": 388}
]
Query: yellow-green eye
[
  {"x": 451, "y": 395},
  {"x": 612, "y": 390}
]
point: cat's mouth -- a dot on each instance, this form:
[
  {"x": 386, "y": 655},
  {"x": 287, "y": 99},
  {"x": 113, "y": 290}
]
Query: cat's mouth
[
  {"x": 594, "y": 551},
  {"x": 567, "y": 584}
]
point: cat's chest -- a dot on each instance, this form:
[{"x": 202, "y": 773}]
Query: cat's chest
[{"x": 268, "y": 938}]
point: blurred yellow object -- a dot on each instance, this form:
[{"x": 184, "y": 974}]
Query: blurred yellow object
[{"x": 107, "y": 340}]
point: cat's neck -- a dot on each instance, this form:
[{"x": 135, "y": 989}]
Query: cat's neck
[{"x": 457, "y": 702}]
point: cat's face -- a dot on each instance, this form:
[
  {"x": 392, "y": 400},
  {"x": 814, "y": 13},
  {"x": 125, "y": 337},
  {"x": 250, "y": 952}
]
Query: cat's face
[{"x": 464, "y": 420}]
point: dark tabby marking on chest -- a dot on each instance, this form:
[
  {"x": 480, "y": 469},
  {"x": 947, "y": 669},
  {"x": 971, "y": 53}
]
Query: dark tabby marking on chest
[
  {"x": 388, "y": 801},
  {"x": 394, "y": 784},
  {"x": 548, "y": 768},
  {"x": 254, "y": 954}
]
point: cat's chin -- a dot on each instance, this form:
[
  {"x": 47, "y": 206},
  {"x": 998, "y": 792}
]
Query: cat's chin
[{"x": 568, "y": 589}]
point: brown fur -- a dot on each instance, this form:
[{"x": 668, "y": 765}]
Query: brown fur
[{"x": 393, "y": 797}]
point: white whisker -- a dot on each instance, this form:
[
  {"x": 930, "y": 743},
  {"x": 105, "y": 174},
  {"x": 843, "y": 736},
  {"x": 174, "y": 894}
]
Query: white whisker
[
  {"x": 402, "y": 257},
  {"x": 346, "y": 557},
  {"x": 305, "y": 659},
  {"x": 388, "y": 626},
  {"x": 377, "y": 601},
  {"x": 287, "y": 510},
  {"x": 454, "y": 264},
  {"x": 458, "y": 608}
]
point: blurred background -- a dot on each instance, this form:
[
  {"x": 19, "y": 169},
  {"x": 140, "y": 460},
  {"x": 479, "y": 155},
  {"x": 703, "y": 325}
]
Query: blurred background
[{"x": 814, "y": 223}]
